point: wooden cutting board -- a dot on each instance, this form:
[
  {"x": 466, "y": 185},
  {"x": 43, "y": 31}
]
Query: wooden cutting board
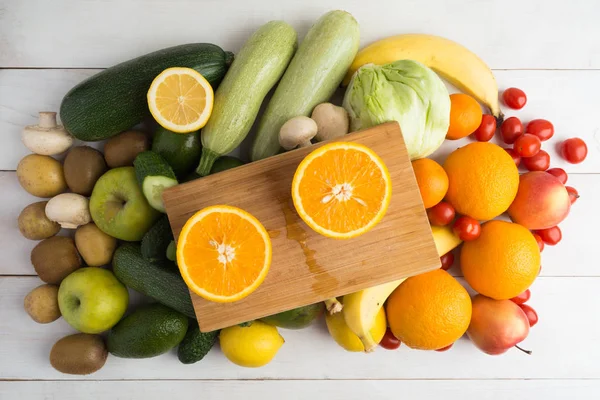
[{"x": 307, "y": 267}]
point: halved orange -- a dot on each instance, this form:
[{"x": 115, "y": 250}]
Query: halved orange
[
  {"x": 342, "y": 190},
  {"x": 223, "y": 253},
  {"x": 180, "y": 99}
]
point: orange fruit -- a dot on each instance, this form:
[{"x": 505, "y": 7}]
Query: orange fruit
[
  {"x": 429, "y": 311},
  {"x": 465, "y": 116},
  {"x": 503, "y": 262},
  {"x": 482, "y": 180},
  {"x": 180, "y": 100},
  {"x": 342, "y": 190},
  {"x": 432, "y": 181},
  {"x": 223, "y": 253}
]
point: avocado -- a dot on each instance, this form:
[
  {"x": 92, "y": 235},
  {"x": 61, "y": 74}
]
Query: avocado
[
  {"x": 297, "y": 318},
  {"x": 195, "y": 345},
  {"x": 148, "y": 332}
]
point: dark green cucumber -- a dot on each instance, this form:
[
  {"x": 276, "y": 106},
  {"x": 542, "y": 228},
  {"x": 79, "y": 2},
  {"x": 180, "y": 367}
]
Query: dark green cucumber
[
  {"x": 154, "y": 175},
  {"x": 181, "y": 151},
  {"x": 195, "y": 345},
  {"x": 157, "y": 279},
  {"x": 114, "y": 100},
  {"x": 157, "y": 239}
]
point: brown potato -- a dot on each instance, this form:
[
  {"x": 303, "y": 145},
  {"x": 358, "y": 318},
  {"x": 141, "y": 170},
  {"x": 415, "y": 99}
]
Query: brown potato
[
  {"x": 41, "y": 176},
  {"x": 95, "y": 246},
  {"x": 34, "y": 224},
  {"x": 83, "y": 166},
  {"x": 121, "y": 150},
  {"x": 42, "y": 304},
  {"x": 55, "y": 258},
  {"x": 79, "y": 354}
]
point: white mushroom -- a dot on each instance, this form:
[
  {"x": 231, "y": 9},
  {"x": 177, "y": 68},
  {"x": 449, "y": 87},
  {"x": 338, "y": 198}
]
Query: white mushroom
[
  {"x": 69, "y": 209},
  {"x": 47, "y": 138},
  {"x": 297, "y": 132},
  {"x": 332, "y": 121}
]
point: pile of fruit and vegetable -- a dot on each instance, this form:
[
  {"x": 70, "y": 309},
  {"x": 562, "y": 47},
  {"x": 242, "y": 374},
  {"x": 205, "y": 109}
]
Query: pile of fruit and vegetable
[{"x": 500, "y": 203}]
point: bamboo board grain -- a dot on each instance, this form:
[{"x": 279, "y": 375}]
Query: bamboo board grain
[{"x": 307, "y": 267}]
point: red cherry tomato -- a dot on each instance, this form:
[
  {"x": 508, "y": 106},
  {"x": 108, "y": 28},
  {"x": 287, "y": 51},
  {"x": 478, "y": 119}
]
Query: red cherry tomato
[
  {"x": 573, "y": 194},
  {"x": 550, "y": 236},
  {"x": 573, "y": 150},
  {"x": 559, "y": 173},
  {"x": 527, "y": 145},
  {"x": 511, "y": 129},
  {"x": 486, "y": 129},
  {"x": 389, "y": 341},
  {"x": 522, "y": 298},
  {"x": 539, "y": 162},
  {"x": 530, "y": 313},
  {"x": 514, "y": 98},
  {"x": 445, "y": 348},
  {"x": 441, "y": 214},
  {"x": 539, "y": 241},
  {"x": 541, "y": 128},
  {"x": 466, "y": 228},
  {"x": 447, "y": 260},
  {"x": 515, "y": 156}
]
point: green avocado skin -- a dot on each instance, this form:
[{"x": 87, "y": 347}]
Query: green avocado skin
[
  {"x": 195, "y": 345},
  {"x": 147, "y": 332},
  {"x": 296, "y": 318}
]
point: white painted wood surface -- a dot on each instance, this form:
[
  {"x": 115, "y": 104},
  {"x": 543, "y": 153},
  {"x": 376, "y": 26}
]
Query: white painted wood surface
[{"x": 548, "y": 48}]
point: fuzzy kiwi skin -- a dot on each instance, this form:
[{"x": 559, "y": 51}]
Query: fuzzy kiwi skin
[
  {"x": 55, "y": 258},
  {"x": 121, "y": 150},
  {"x": 83, "y": 166},
  {"x": 79, "y": 354},
  {"x": 42, "y": 304}
]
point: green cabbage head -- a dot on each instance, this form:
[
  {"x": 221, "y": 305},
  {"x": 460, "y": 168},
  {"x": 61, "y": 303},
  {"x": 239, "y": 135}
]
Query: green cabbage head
[{"x": 405, "y": 91}]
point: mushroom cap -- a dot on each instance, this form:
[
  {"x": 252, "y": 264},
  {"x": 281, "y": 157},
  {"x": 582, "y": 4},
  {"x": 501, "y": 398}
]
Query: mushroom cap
[
  {"x": 332, "y": 121},
  {"x": 69, "y": 209},
  {"x": 298, "y": 130}
]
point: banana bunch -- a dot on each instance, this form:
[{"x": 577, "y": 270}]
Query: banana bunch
[
  {"x": 453, "y": 62},
  {"x": 361, "y": 308}
]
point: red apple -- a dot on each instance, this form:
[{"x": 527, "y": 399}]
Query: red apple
[
  {"x": 542, "y": 201},
  {"x": 496, "y": 325}
]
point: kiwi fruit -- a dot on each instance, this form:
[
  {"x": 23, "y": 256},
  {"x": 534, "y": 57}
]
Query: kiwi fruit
[
  {"x": 42, "y": 304},
  {"x": 41, "y": 176},
  {"x": 121, "y": 150},
  {"x": 79, "y": 354},
  {"x": 83, "y": 166},
  {"x": 95, "y": 246},
  {"x": 55, "y": 258},
  {"x": 34, "y": 224}
]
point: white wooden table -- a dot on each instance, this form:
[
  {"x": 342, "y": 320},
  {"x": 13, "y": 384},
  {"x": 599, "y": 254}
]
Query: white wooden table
[{"x": 550, "y": 49}]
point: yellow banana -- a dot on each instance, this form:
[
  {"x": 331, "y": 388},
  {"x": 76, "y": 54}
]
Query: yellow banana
[
  {"x": 361, "y": 308},
  {"x": 453, "y": 62}
]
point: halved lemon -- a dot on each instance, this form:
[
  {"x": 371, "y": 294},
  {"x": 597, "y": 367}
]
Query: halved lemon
[
  {"x": 223, "y": 253},
  {"x": 180, "y": 100},
  {"x": 342, "y": 190}
]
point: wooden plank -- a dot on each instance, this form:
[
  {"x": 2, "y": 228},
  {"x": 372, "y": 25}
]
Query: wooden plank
[
  {"x": 69, "y": 33},
  {"x": 563, "y": 345},
  {"x": 25, "y": 92},
  {"x": 299, "y": 390},
  {"x": 556, "y": 260},
  {"x": 308, "y": 267}
]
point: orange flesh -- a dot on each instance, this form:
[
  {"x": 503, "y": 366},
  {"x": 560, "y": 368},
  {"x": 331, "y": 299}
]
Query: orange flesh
[
  {"x": 342, "y": 190},
  {"x": 224, "y": 253},
  {"x": 175, "y": 97}
]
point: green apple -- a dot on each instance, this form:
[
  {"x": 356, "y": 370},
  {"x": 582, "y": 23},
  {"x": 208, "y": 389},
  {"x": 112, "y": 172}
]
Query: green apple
[
  {"x": 92, "y": 300},
  {"x": 118, "y": 206}
]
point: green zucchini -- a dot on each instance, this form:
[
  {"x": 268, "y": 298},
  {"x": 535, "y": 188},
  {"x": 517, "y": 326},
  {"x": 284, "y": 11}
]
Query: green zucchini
[
  {"x": 154, "y": 175},
  {"x": 314, "y": 73},
  {"x": 160, "y": 280},
  {"x": 114, "y": 100},
  {"x": 255, "y": 70},
  {"x": 181, "y": 151},
  {"x": 157, "y": 239},
  {"x": 224, "y": 163}
]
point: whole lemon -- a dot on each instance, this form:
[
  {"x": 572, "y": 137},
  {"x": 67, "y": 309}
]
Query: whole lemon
[
  {"x": 250, "y": 346},
  {"x": 339, "y": 331},
  {"x": 503, "y": 262},
  {"x": 482, "y": 180},
  {"x": 429, "y": 311}
]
